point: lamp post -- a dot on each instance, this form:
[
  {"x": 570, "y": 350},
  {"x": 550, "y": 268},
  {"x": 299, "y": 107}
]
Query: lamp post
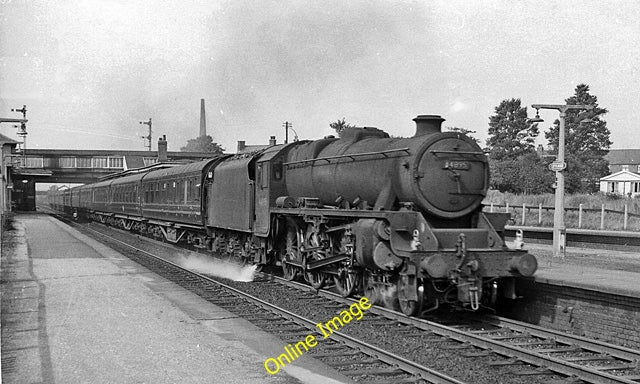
[{"x": 559, "y": 165}]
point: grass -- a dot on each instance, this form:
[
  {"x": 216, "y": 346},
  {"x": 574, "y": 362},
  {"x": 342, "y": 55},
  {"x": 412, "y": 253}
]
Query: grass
[{"x": 590, "y": 219}]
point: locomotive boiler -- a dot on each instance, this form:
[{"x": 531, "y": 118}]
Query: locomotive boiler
[
  {"x": 445, "y": 175},
  {"x": 399, "y": 220},
  {"x": 398, "y": 217}
]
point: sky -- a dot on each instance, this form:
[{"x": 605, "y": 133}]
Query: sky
[{"x": 90, "y": 70}]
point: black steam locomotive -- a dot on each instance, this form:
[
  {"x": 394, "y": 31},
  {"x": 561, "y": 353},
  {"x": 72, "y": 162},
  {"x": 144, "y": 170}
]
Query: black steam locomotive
[{"x": 393, "y": 218}]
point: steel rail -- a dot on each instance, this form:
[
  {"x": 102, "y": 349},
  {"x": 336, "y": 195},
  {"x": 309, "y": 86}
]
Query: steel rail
[
  {"x": 502, "y": 348},
  {"x": 421, "y": 372},
  {"x": 619, "y": 352},
  {"x": 527, "y": 356}
]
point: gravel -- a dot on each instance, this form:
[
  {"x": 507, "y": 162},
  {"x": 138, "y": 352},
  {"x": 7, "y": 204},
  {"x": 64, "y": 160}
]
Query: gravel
[{"x": 432, "y": 351}]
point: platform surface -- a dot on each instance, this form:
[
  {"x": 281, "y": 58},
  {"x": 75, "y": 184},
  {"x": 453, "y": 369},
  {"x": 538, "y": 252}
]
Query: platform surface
[
  {"x": 75, "y": 311},
  {"x": 593, "y": 269}
]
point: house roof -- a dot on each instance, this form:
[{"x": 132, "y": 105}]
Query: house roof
[
  {"x": 253, "y": 148},
  {"x": 622, "y": 176},
  {"x": 134, "y": 161},
  {"x": 6, "y": 140},
  {"x": 623, "y": 156}
]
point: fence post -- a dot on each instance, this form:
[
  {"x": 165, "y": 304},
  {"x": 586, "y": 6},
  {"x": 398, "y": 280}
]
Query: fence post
[
  {"x": 506, "y": 208},
  {"x": 491, "y": 209},
  {"x": 580, "y": 216},
  {"x": 626, "y": 216},
  {"x": 524, "y": 210},
  {"x": 602, "y": 217},
  {"x": 540, "y": 214}
]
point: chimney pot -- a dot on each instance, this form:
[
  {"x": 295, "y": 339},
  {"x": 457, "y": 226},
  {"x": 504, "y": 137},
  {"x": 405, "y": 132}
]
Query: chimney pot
[
  {"x": 272, "y": 140},
  {"x": 241, "y": 145}
]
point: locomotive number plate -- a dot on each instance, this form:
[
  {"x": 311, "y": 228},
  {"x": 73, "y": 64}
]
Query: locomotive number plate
[{"x": 459, "y": 165}]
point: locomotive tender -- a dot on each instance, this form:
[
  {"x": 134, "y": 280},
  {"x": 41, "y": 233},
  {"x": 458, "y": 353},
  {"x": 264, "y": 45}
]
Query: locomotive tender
[{"x": 393, "y": 218}]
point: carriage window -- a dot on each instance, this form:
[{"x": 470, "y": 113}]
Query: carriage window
[
  {"x": 197, "y": 192},
  {"x": 264, "y": 176},
  {"x": 163, "y": 193},
  {"x": 277, "y": 169},
  {"x": 174, "y": 195},
  {"x": 156, "y": 193},
  {"x": 259, "y": 174}
]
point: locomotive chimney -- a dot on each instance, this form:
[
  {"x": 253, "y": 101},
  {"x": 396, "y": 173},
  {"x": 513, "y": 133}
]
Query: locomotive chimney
[
  {"x": 272, "y": 140},
  {"x": 162, "y": 149},
  {"x": 428, "y": 124}
]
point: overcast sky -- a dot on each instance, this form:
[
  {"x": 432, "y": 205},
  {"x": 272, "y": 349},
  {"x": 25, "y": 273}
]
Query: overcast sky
[{"x": 90, "y": 70}]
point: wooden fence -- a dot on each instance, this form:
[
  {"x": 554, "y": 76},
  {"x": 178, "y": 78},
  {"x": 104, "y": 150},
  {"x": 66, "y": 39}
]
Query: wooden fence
[{"x": 523, "y": 213}]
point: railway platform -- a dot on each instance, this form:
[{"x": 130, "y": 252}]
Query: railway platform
[
  {"x": 590, "y": 292},
  {"x": 605, "y": 271},
  {"x": 75, "y": 311}
]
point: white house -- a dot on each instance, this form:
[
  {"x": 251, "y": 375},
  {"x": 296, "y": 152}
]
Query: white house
[{"x": 623, "y": 182}]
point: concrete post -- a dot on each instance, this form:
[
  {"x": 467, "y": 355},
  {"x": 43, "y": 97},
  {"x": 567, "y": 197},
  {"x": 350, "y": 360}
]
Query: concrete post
[{"x": 580, "y": 216}]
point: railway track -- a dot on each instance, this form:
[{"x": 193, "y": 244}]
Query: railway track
[
  {"x": 547, "y": 350},
  {"x": 354, "y": 358},
  {"x": 524, "y": 349}
]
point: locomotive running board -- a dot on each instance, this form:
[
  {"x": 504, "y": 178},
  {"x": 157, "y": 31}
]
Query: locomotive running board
[{"x": 324, "y": 262}]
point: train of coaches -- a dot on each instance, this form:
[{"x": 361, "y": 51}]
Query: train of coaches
[{"x": 393, "y": 218}]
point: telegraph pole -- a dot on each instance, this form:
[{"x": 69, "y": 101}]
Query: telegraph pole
[
  {"x": 286, "y": 126},
  {"x": 289, "y": 126},
  {"x": 148, "y": 137}
]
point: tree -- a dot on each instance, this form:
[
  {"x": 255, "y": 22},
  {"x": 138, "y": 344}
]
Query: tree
[
  {"x": 464, "y": 131},
  {"x": 203, "y": 144},
  {"x": 586, "y": 143},
  {"x": 527, "y": 174},
  {"x": 510, "y": 133},
  {"x": 514, "y": 163},
  {"x": 340, "y": 126}
]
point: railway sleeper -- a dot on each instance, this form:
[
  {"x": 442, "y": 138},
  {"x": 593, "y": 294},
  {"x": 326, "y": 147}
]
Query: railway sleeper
[
  {"x": 505, "y": 363},
  {"x": 386, "y": 371},
  {"x": 354, "y": 362},
  {"x": 320, "y": 355},
  {"x": 534, "y": 372}
]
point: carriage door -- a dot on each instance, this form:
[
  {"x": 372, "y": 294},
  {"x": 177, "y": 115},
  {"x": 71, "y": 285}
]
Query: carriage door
[{"x": 262, "y": 187}]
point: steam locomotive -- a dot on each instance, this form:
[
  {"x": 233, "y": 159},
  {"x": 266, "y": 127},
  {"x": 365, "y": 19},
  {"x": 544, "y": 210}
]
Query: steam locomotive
[{"x": 398, "y": 219}]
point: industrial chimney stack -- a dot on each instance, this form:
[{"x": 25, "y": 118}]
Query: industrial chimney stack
[
  {"x": 203, "y": 120},
  {"x": 162, "y": 149}
]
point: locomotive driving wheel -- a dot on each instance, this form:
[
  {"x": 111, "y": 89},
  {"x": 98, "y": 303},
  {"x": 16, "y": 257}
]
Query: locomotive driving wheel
[
  {"x": 317, "y": 241},
  {"x": 408, "y": 306},
  {"x": 370, "y": 287},
  {"x": 291, "y": 253},
  {"x": 346, "y": 281}
]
